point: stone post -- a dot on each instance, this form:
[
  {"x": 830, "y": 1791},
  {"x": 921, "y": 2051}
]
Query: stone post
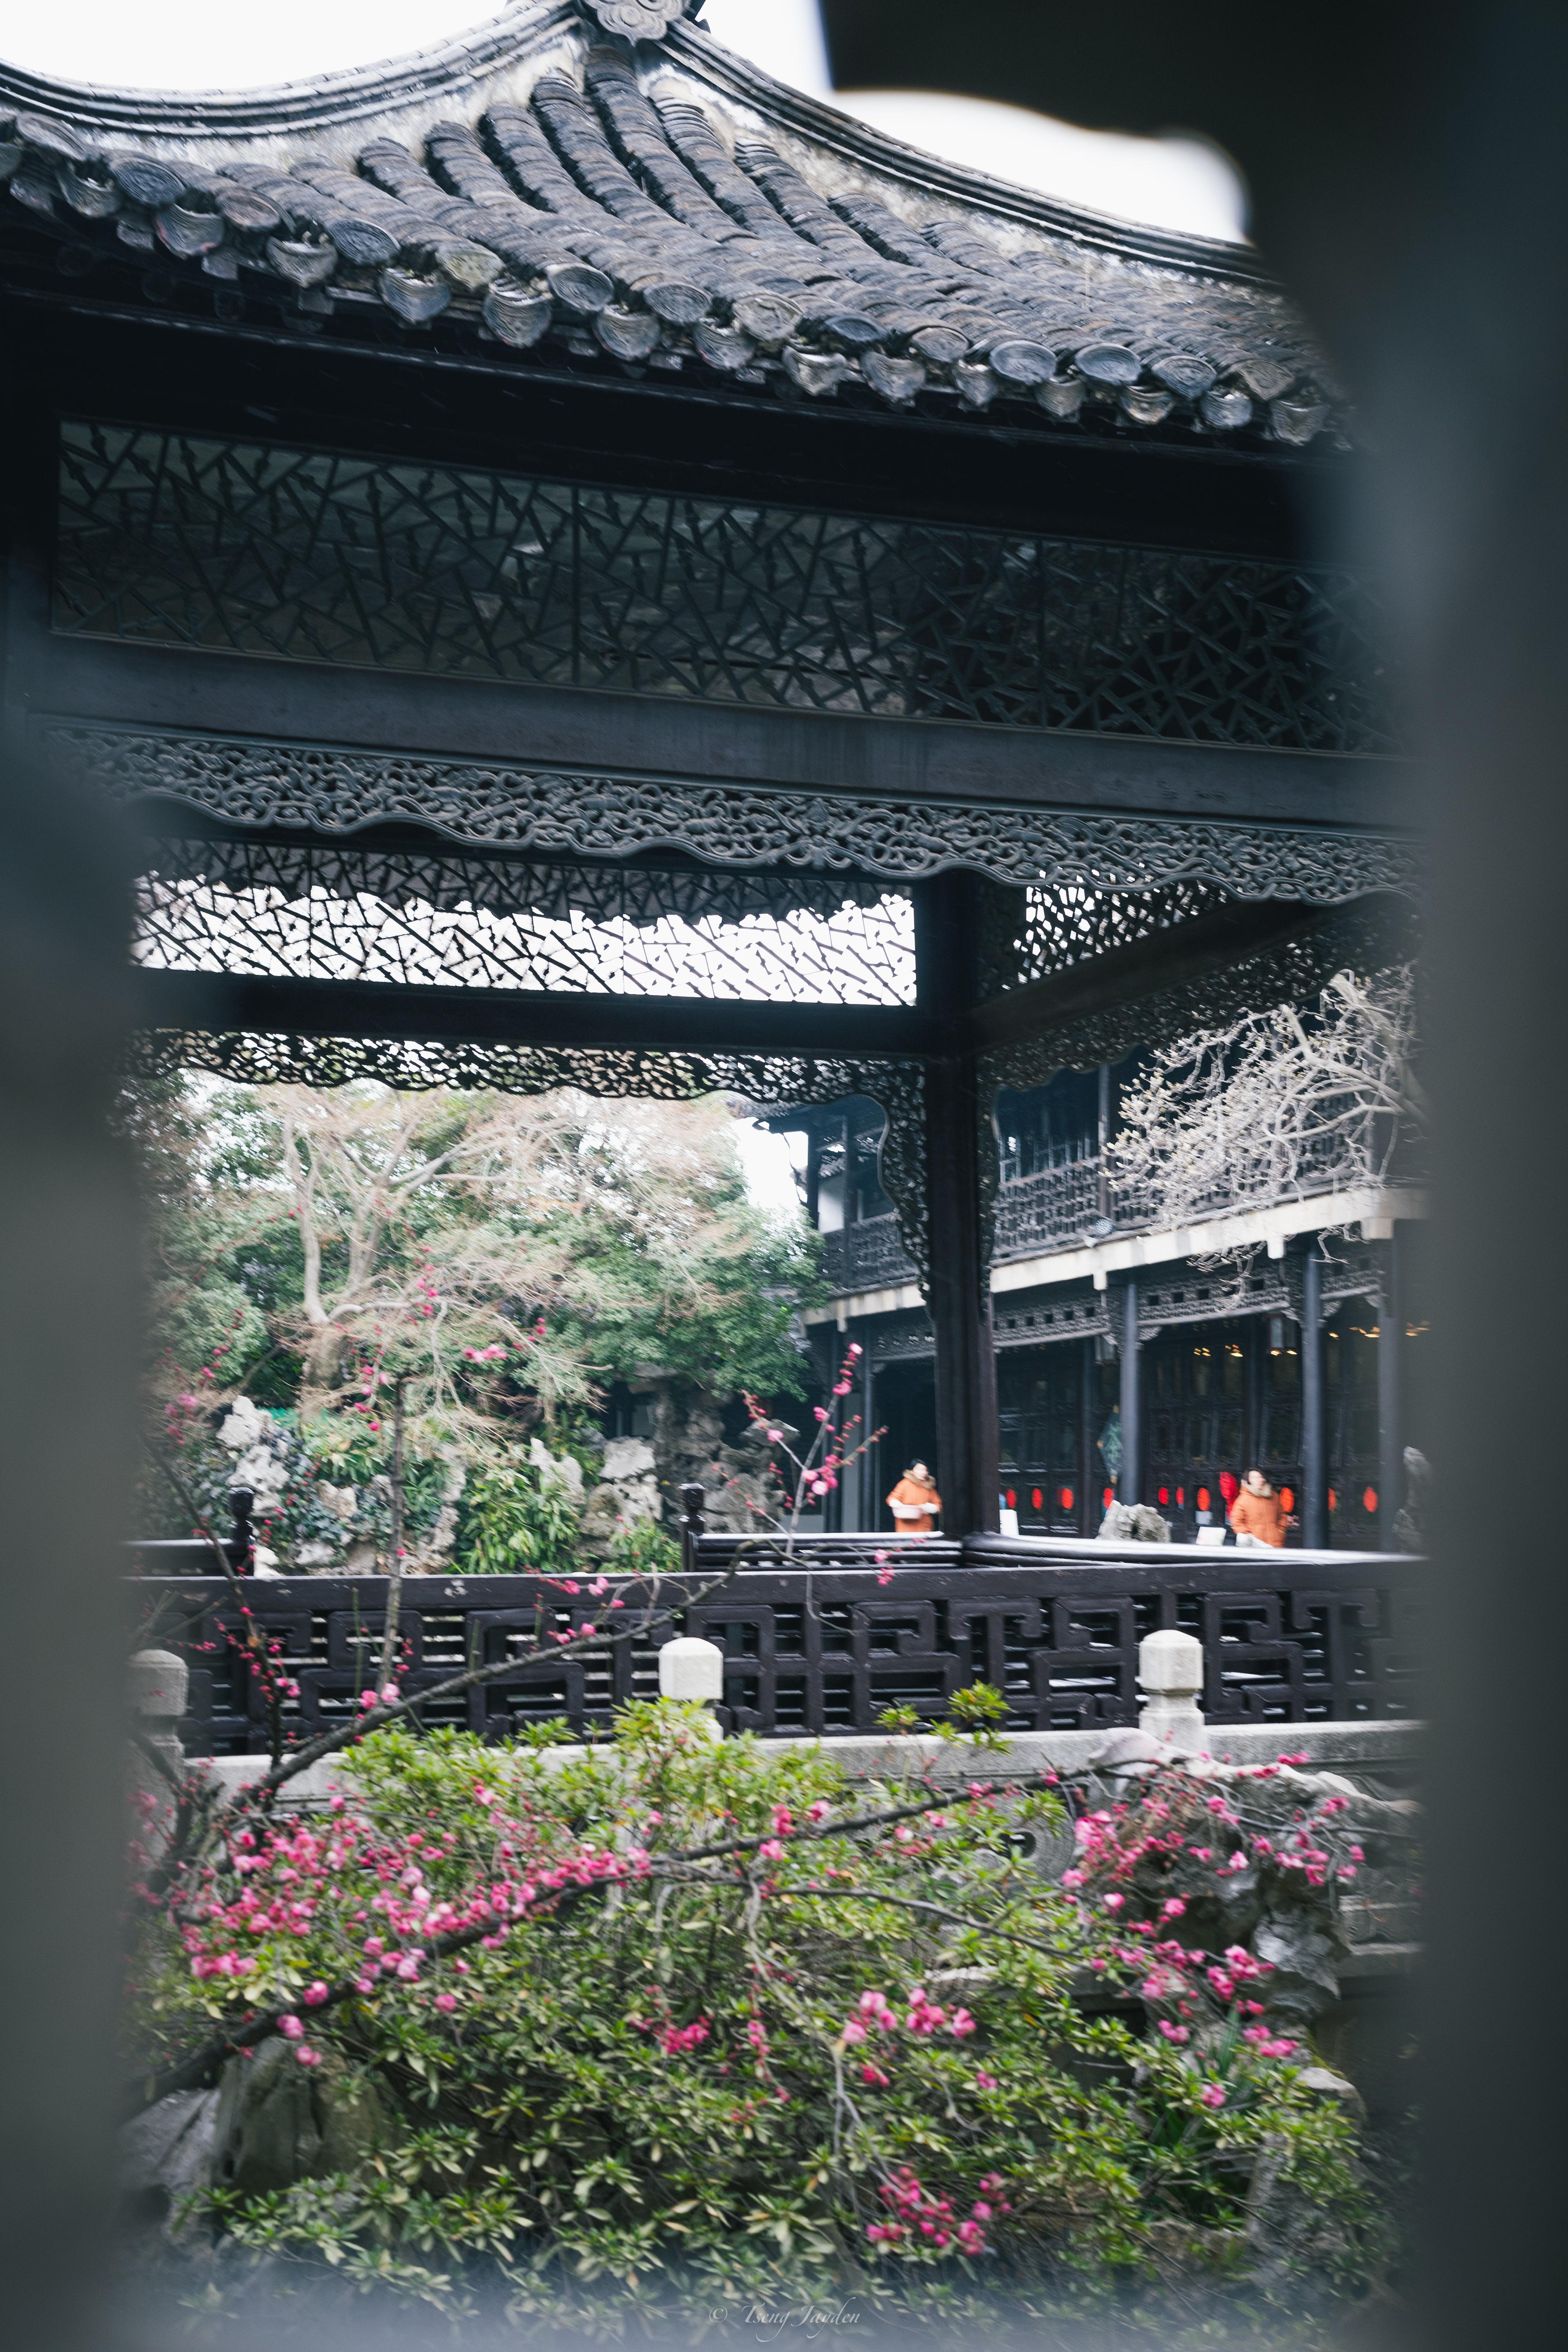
[
  {"x": 157, "y": 1684},
  {"x": 1171, "y": 1673},
  {"x": 693, "y": 1670}
]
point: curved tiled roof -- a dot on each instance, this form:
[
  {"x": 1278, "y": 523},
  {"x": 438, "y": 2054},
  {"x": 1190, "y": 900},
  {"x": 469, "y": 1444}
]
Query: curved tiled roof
[{"x": 666, "y": 205}]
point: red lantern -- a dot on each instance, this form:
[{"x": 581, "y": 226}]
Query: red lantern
[
  {"x": 1108, "y": 1497},
  {"x": 1333, "y": 1500},
  {"x": 1065, "y": 1499},
  {"x": 1369, "y": 1502},
  {"x": 1180, "y": 1494},
  {"x": 1288, "y": 1497},
  {"x": 1202, "y": 1498},
  {"x": 1012, "y": 1500},
  {"x": 1229, "y": 1487},
  {"x": 1037, "y": 1499},
  {"x": 1165, "y": 1494}
]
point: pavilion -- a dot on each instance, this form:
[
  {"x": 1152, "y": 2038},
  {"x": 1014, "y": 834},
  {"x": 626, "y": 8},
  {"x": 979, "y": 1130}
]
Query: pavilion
[{"x": 585, "y": 566}]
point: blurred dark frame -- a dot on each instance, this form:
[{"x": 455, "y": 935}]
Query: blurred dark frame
[{"x": 1408, "y": 168}]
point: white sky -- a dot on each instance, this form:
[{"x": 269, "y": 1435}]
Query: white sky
[
  {"x": 768, "y": 1161},
  {"x": 1172, "y": 182}
]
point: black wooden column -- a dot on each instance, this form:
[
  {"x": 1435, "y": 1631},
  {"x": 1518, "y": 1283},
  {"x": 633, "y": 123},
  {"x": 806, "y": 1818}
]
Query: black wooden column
[
  {"x": 851, "y": 1187},
  {"x": 871, "y": 1463},
  {"x": 1314, "y": 1432},
  {"x": 1390, "y": 1416},
  {"x": 968, "y": 1438},
  {"x": 1089, "y": 1512},
  {"x": 1129, "y": 1483}
]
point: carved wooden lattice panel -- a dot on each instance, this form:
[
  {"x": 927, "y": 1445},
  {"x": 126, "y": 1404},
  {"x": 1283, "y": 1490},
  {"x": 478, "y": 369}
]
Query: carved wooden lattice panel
[
  {"x": 248, "y": 547},
  {"x": 416, "y": 920}
]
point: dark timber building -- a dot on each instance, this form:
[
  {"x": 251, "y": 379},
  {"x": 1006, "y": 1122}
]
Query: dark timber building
[{"x": 585, "y": 566}]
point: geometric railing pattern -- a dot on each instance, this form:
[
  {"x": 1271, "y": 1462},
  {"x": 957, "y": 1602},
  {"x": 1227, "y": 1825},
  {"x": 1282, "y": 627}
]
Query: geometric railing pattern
[
  {"x": 248, "y": 547},
  {"x": 1298, "y": 1638}
]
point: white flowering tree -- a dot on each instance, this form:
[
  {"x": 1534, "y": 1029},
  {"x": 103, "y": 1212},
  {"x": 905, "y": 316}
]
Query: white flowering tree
[{"x": 1277, "y": 1105}]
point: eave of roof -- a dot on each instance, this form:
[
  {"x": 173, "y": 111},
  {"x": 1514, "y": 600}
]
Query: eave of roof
[{"x": 675, "y": 209}]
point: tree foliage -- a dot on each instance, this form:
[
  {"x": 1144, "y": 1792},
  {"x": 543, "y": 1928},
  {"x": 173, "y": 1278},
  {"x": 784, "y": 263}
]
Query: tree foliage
[{"x": 504, "y": 1259}]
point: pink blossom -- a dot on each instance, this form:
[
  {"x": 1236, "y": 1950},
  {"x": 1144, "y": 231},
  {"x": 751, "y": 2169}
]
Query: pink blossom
[
  {"x": 771, "y": 1849},
  {"x": 307, "y": 2056},
  {"x": 874, "y": 2074},
  {"x": 289, "y": 2028},
  {"x": 818, "y": 1809},
  {"x": 1212, "y": 2095},
  {"x": 854, "y": 2030},
  {"x": 985, "y": 2081},
  {"x": 315, "y": 1995},
  {"x": 961, "y": 2023},
  {"x": 1174, "y": 1908},
  {"x": 1115, "y": 1902},
  {"x": 445, "y": 2000},
  {"x": 1177, "y": 2033}
]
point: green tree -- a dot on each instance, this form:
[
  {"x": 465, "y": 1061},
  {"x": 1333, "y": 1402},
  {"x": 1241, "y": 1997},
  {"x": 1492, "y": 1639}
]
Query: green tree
[{"x": 501, "y": 1259}]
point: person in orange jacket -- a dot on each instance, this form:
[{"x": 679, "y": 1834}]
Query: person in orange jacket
[
  {"x": 1257, "y": 1511},
  {"x": 915, "y": 1503}
]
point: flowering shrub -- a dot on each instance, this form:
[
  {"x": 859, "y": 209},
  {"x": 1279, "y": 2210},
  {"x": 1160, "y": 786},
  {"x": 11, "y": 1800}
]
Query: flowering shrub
[{"x": 672, "y": 2027}]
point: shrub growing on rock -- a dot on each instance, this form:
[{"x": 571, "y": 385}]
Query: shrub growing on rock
[{"x": 671, "y": 2028}]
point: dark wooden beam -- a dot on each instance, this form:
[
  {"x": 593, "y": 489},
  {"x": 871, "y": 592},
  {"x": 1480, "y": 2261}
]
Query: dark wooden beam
[
  {"x": 899, "y": 761},
  {"x": 350, "y": 1008}
]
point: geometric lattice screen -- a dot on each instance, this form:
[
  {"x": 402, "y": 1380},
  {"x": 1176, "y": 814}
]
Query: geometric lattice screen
[
  {"x": 253, "y": 548},
  {"x": 451, "y": 920}
]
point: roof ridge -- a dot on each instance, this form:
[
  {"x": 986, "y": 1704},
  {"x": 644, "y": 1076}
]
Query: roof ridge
[{"x": 666, "y": 207}]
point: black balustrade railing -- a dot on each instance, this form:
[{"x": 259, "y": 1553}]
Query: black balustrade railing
[
  {"x": 866, "y": 1256},
  {"x": 825, "y": 1640},
  {"x": 1064, "y": 1207}
]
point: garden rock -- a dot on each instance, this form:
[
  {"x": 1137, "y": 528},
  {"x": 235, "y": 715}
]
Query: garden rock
[
  {"x": 561, "y": 1470},
  {"x": 627, "y": 1459},
  {"x": 1133, "y": 1523},
  {"x": 278, "y": 2122},
  {"x": 1303, "y": 1954},
  {"x": 166, "y": 2161}
]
